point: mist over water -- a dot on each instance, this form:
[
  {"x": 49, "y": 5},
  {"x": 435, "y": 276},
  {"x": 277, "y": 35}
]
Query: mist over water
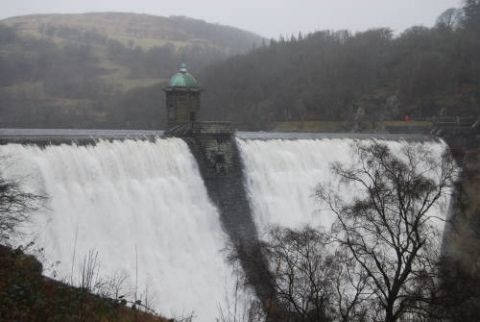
[{"x": 144, "y": 208}]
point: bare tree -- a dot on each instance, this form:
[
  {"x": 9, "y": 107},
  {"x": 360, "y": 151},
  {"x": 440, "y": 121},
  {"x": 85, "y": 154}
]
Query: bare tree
[
  {"x": 450, "y": 18},
  {"x": 240, "y": 307},
  {"x": 349, "y": 302},
  {"x": 90, "y": 275},
  {"x": 391, "y": 227},
  {"x": 312, "y": 280},
  {"x": 303, "y": 275},
  {"x": 301, "y": 272},
  {"x": 16, "y": 206},
  {"x": 113, "y": 287}
]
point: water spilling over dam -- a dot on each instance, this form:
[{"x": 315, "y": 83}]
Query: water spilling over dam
[
  {"x": 142, "y": 206},
  {"x": 281, "y": 177}
]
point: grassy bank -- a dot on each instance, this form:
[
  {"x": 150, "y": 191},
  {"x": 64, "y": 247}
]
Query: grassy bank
[
  {"x": 339, "y": 126},
  {"x": 26, "y": 295}
]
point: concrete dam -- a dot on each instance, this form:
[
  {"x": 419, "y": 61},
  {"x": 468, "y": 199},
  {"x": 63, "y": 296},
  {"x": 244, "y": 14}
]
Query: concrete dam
[
  {"x": 162, "y": 208},
  {"x": 157, "y": 215}
]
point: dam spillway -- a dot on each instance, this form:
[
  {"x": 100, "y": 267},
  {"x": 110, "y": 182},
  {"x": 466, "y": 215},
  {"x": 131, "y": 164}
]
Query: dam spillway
[
  {"x": 141, "y": 202},
  {"x": 281, "y": 176},
  {"x": 142, "y": 206}
]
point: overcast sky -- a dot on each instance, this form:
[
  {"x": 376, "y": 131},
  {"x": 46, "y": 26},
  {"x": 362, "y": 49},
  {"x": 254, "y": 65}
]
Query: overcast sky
[{"x": 269, "y": 18}]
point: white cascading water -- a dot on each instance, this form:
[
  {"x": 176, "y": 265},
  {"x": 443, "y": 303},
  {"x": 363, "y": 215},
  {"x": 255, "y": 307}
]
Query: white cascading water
[
  {"x": 143, "y": 206},
  {"x": 282, "y": 177}
]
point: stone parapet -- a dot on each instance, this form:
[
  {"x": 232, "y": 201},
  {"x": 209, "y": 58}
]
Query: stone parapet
[{"x": 212, "y": 128}]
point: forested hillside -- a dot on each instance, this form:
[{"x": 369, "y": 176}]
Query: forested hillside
[
  {"x": 102, "y": 69},
  {"x": 107, "y": 71},
  {"x": 340, "y": 76}
]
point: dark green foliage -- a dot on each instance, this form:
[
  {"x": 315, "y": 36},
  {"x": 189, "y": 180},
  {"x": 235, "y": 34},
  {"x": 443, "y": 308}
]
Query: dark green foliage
[
  {"x": 66, "y": 71},
  {"x": 141, "y": 108},
  {"x": 7, "y": 35},
  {"x": 162, "y": 61},
  {"x": 90, "y": 80},
  {"x": 73, "y": 91},
  {"x": 472, "y": 14},
  {"x": 330, "y": 75}
]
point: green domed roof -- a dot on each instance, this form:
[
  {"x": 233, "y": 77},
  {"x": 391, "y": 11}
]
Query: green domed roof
[{"x": 183, "y": 79}]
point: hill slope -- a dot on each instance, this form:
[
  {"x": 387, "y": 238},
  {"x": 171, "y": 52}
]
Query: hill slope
[
  {"x": 27, "y": 295},
  {"x": 96, "y": 69},
  {"x": 363, "y": 78},
  {"x": 142, "y": 30}
]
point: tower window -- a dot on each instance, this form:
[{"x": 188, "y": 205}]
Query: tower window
[{"x": 192, "y": 116}]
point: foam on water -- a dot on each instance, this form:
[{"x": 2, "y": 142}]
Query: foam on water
[
  {"x": 282, "y": 177},
  {"x": 144, "y": 208}
]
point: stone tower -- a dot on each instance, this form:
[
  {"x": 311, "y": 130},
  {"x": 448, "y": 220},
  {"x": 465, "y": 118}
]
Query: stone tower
[
  {"x": 212, "y": 142},
  {"x": 214, "y": 147},
  {"x": 183, "y": 100}
]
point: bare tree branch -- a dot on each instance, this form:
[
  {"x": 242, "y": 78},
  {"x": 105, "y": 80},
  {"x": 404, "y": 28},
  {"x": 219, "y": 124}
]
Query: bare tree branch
[{"x": 388, "y": 229}]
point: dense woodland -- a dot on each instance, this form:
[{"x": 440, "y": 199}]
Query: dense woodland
[
  {"x": 67, "y": 75},
  {"x": 422, "y": 73}
]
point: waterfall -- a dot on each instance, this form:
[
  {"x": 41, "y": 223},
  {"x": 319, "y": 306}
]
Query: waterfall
[
  {"x": 142, "y": 206},
  {"x": 282, "y": 175}
]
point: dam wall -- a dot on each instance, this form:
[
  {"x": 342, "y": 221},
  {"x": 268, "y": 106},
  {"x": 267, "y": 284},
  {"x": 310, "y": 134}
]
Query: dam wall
[
  {"x": 221, "y": 168},
  {"x": 166, "y": 211},
  {"x": 45, "y": 137},
  {"x": 282, "y": 176},
  {"x": 141, "y": 210}
]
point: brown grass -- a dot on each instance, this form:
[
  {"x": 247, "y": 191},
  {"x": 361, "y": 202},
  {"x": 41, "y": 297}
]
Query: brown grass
[{"x": 26, "y": 295}]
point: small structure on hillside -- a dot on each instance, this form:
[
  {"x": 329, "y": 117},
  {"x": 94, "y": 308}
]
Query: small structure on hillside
[
  {"x": 209, "y": 140},
  {"x": 183, "y": 106},
  {"x": 183, "y": 99}
]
